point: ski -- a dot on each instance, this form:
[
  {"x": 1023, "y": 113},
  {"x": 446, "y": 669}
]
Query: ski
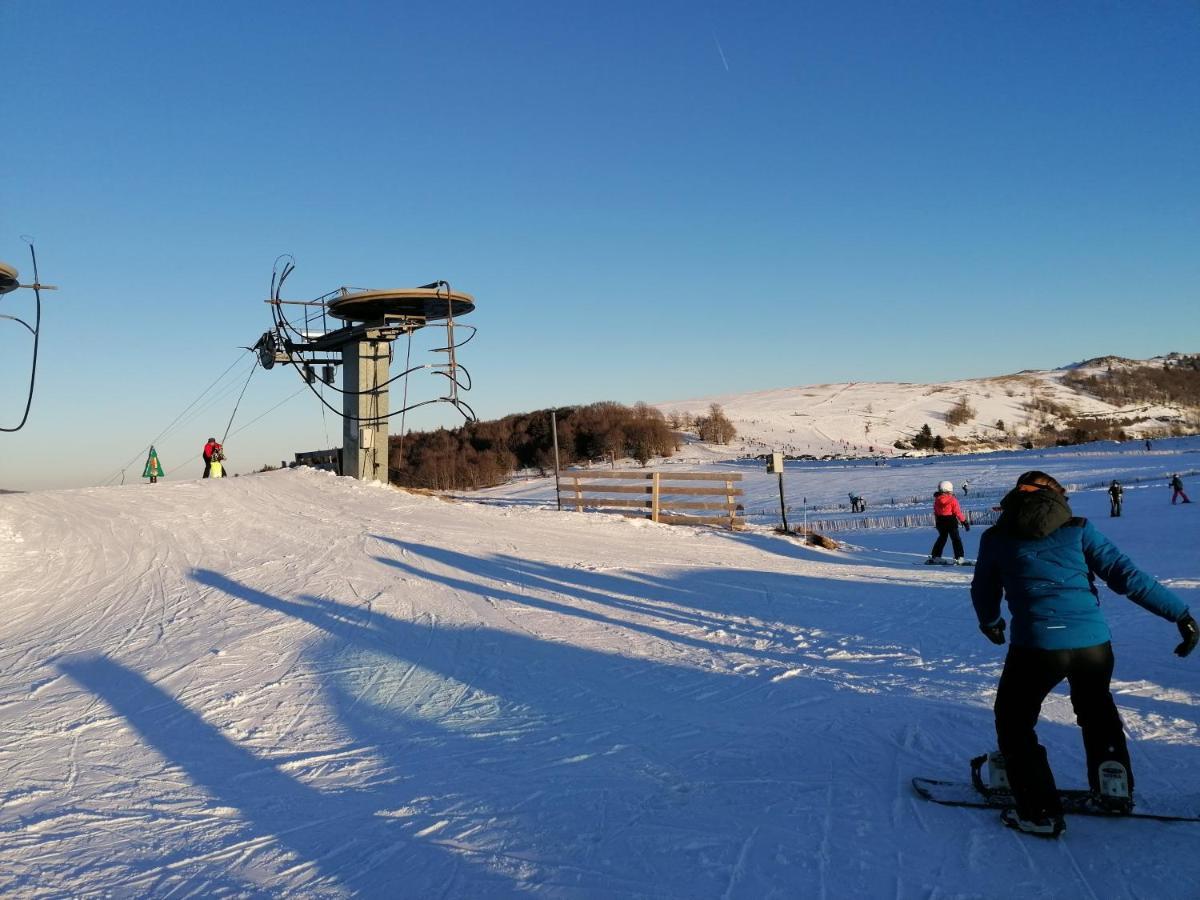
[
  {"x": 976, "y": 795},
  {"x": 939, "y": 561}
]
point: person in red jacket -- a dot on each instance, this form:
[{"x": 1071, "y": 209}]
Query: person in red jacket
[
  {"x": 947, "y": 515},
  {"x": 208, "y": 455}
]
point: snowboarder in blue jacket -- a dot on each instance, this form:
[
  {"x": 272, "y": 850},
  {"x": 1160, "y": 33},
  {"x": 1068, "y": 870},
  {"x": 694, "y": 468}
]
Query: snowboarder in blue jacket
[{"x": 1044, "y": 561}]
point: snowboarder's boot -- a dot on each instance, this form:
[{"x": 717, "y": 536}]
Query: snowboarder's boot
[
  {"x": 1046, "y": 826},
  {"x": 959, "y": 560},
  {"x": 1114, "y": 796}
]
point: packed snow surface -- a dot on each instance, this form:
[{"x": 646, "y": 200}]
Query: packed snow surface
[{"x": 297, "y": 685}]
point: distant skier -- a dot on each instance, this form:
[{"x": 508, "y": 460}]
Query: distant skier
[
  {"x": 208, "y": 454},
  {"x": 1177, "y": 489},
  {"x": 1043, "y": 561},
  {"x": 1115, "y": 493},
  {"x": 858, "y": 503},
  {"x": 966, "y": 488},
  {"x": 1147, "y": 445},
  {"x": 153, "y": 469},
  {"x": 947, "y": 516}
]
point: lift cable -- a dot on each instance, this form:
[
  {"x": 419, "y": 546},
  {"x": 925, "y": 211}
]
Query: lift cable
[
  {"x": 192, "y": 408},
  {"x": 229, "y": 424},
  {"x": 263, "y": 415},
  {"x": 404, "y": 400}
]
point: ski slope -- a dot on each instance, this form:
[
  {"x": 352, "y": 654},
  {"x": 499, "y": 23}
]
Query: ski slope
[{"x": 297, "y": 685}]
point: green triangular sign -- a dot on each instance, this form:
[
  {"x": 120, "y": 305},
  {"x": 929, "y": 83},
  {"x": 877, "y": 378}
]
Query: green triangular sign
[{"x": 153, "y": 466}]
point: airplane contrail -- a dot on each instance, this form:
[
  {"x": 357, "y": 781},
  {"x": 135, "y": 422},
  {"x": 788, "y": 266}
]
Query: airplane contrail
[{"x": 724, "y": 61}]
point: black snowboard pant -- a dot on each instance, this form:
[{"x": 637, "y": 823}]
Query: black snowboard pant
[
  {"x": 1029, "y": 675},
  {"x": 207, "y": 468},
  {"x": 947, "y": 527},
  {"x": 1115, "y": 505}
]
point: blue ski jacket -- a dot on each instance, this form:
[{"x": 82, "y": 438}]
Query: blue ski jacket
[{"x": 1050, "y": 585}]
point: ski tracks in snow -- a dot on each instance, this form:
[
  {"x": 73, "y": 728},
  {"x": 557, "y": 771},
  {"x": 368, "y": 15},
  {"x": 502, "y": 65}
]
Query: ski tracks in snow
[{"x": 353, "y": 689}]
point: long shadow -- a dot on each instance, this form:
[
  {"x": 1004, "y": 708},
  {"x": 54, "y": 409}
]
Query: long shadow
[
  {"x": 793, "y": 548},
  {"x": 559, "y": 767},
  {"x": 713, "y": 599},
  {"x": 272, "y": 803},
  {"x": 773, "y": 598},
  {"x": 596, "y": 587},
  {"x": 439, "y": 648},
  {"x": 588, "y": 733},
  {"x": 620, "y": 733},
  {"x": 497, "y": 591}
]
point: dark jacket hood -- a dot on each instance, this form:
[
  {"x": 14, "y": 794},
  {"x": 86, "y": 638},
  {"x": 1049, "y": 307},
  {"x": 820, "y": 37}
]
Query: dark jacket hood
[{"x": 1033, "y": 514}]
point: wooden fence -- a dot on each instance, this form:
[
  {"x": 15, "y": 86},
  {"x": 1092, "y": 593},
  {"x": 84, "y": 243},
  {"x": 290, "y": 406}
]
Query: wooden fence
[
  {"x": 977, "y": 517},
  {"x": 659, "y": 497}
]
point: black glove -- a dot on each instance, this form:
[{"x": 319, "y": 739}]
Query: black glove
[
  {"x": 966, "y": 526},
  {"x": 995, "y": 633},
  {"x": 1190, "y": 634}
]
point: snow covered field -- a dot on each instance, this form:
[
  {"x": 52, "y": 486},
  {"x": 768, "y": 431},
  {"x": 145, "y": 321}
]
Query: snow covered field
[
  {"x": 298, "y": 685},
  {"x": 861, "y": 417},
  {"x": 904, "y": 484}
]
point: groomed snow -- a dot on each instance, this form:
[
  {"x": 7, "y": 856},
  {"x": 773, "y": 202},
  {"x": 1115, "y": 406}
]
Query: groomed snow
[{"x": 299, "y": 685}]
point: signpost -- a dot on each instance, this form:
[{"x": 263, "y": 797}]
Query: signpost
[{"x": 775, "y": 464}]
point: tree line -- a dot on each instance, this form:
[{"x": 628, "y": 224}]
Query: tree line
[
  {"x": 482, "y": 454},
  {"x": 1176, "y": 382}
]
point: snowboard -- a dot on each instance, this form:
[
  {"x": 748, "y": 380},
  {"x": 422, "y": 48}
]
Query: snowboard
[
  {"x": 946, "y": 561},
  {"x": 977, "y": 795}
]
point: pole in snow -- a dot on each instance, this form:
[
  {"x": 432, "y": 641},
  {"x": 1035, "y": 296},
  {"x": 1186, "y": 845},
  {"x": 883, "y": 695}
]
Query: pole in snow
[
  {"x": 775, "y": 464},
  {"x": 554, "y": 431}
]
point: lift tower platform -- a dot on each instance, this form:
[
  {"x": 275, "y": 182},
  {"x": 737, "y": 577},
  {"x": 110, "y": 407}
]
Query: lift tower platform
[{"x": 362, "y": 347}]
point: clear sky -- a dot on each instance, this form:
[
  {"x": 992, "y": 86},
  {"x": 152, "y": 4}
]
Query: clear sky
[{"x": 649, "y": 200}]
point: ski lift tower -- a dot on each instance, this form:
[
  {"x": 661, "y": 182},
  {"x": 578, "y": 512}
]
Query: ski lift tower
[{"x": 373, "y": 320}]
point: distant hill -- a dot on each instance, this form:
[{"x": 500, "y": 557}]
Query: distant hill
[{"x": 1108, "y": 397}]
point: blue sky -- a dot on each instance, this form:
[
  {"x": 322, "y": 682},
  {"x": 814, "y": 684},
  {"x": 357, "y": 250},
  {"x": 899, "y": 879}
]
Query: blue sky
[{"x": 649, "y": 201}]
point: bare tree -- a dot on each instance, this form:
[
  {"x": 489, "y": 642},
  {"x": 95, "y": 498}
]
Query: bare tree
[{"x": 715, "y": 428}]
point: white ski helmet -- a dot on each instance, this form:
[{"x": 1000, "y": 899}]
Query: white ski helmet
[{"x": 946, "y": 487}]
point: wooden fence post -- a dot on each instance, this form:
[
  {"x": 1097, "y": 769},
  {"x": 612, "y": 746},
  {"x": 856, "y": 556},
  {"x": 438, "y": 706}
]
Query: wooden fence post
[
  {"x": 654, "y": 501},
  {"x": 729, "y": 500}
]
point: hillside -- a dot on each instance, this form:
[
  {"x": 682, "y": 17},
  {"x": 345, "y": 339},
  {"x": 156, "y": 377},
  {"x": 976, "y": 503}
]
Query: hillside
[
  {"x": 297, "y": 685},
  {"x": 1074, "y": 403}
]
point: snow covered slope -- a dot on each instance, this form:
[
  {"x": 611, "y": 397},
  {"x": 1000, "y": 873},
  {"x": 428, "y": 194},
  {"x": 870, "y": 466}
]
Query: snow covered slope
[
  {"x": 867, "y": 418},
  {"x": 297, "y": 685}
]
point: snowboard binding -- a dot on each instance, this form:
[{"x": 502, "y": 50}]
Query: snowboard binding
[{"x": 1114, "y": 795}]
